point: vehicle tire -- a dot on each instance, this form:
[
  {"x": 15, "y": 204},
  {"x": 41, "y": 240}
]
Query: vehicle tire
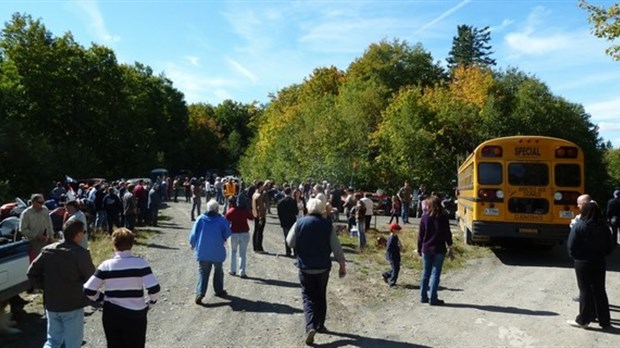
[{"x": 467, "y": 237}]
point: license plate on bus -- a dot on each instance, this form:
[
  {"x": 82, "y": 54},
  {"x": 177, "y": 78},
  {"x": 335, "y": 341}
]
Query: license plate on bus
[
  {"x": 566, "y": 214},
  {"x": 528, "y": 230},
  {"x": 491, "y": 211}
]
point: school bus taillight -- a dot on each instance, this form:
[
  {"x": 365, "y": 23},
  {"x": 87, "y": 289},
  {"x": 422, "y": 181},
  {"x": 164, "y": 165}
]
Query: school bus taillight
[
  {"x": 490, "y": 195},
  {"x": 566, "y": 152},
  {"x": 491, "y": 151},
  {"x": 566, "y": 197}
]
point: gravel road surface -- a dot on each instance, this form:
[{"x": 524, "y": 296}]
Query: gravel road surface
[{"x": 511, "y": 299}]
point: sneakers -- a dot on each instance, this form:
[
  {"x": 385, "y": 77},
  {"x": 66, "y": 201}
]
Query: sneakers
[
  {"x": 232, "y": 273},
  {"x": 385, "y": 277},
  {"x": 424, "y": 300},
  {"x": 222, "y": 293},
  {"x": 244, "y": 276},
  {"x": 198, "y": 300},
  {"x": 310, "y": 337},
  {"x": 322, "y": 329},
  {"x": 573, "y": 323},
  {"x": 437, "y": 303}
]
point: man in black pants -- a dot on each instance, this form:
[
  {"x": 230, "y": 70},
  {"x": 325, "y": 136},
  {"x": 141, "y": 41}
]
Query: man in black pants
[
  {"x": 259, "y": 210},
  {"x": 287, "y": 213},
  {"x": 314, "y": 240},
  {"x": 613, "y": 214}
]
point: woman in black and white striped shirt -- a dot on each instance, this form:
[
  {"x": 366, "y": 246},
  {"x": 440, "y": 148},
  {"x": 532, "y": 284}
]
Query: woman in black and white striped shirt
[{"x": 125, "y": 278}]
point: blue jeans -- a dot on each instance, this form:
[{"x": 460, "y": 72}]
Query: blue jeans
[
  {"x": 101, "y": 219},
  {"x": 361, "y": 233},
  {"x": 404, "y": 211},
  {"x": 204, "y": 271},
  {"x": 240, "y": 241},
  {"x": 67, "y": 327},
  {"x": 431, "y": 272}
]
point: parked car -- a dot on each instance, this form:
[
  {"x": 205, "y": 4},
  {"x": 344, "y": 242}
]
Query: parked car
[
  {"x": 382, "y": 203},
  {"x": 13, "y": 208},
  {"x": 9, "y": 227},
  {"x": 134, "y": 181}
]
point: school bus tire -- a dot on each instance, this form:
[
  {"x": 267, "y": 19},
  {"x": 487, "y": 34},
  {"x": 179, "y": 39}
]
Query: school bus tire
[{"x": 467, "y": 236}]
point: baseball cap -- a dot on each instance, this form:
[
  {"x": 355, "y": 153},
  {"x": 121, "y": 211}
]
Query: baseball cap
[{"x": 395, "y": 227}]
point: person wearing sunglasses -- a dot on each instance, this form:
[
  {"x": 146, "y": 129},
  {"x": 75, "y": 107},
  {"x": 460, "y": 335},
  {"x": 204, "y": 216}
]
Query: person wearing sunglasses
[{"x": 36, "y": 225}]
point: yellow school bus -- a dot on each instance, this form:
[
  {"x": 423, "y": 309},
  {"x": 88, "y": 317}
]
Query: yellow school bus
[{"x": 519, "y": 187}]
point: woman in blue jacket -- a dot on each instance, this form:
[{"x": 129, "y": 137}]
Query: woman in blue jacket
[{"x": 208, "y": 239}]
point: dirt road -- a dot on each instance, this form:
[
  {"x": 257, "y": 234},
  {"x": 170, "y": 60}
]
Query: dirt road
[{"x": 512, "y": 299}]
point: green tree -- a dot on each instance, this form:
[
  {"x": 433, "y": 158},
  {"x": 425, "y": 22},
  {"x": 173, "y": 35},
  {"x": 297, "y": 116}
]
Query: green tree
[
  {"x": 612, "y": 160},
  {"x": 606, "y": 22},
  {"x": 470, "y": 46}
]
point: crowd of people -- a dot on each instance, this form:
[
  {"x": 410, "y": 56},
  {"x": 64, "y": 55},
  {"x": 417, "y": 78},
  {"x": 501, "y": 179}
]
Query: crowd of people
[{"x": 306, "y": 213}]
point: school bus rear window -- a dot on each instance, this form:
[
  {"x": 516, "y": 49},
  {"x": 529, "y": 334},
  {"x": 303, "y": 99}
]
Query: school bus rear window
[
  {"x": 489, "y": 173},
  {"x": 567, "y": 175},
  {"x": 528, "y": 174}
]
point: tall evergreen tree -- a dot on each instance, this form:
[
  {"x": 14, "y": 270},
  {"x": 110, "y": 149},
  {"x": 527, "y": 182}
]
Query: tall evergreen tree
[{"x": 471, "y": 46}]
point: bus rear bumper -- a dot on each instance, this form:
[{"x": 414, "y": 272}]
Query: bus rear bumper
[{"x": 488, "y": 231}]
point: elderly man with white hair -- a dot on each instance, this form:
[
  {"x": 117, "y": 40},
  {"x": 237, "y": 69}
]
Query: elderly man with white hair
[
  {"x": 314, "y": 240},
  {"x": 208, "y": 239}
]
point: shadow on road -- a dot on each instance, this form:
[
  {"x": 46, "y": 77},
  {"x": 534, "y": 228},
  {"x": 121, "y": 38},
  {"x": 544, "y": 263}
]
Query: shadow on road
[
  {"x": 239, "y": 304},
  {"x": 34, "y": 331},
  {"x": 275, "y": 282},
  {"x": 172, "y": 226},
  {"x": 417, "y": 287},
  {"x": 557, "y": 257},
  {"x": 502, "y": 309},
  {"x": 156, "y": 246},
  {"x": 361, "y": 341}
]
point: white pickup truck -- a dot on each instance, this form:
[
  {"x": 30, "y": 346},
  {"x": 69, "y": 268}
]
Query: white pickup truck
[{"x": 14, "y": 261}]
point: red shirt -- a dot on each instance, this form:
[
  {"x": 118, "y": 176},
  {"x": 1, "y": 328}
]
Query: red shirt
[{"x": 238, "y": 219}]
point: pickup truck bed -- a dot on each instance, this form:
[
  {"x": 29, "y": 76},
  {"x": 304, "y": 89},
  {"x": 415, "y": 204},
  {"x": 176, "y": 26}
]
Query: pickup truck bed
[{"x": 14, "y": 263}]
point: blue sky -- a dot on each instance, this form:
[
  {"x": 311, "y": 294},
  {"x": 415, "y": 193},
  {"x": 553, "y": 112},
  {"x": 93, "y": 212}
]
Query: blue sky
[{"x": 244, "y": 50}]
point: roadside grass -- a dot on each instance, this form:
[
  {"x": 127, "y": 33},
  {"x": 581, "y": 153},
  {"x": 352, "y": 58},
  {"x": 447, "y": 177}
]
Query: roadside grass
[
  {"x": 371, "y": 263},
  {"x": 100, "y": 243}
]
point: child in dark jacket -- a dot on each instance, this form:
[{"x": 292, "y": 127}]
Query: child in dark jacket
[{"x": 392, "y": 255}]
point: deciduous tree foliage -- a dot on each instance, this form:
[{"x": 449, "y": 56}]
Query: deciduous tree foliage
[
  {"x": 606, "y": 22},
  {"x": 394, "y": 114},
  {"x": 66, "y": 109}
]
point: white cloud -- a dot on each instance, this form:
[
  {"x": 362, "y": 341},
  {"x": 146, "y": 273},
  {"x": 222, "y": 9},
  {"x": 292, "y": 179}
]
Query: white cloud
[
  {"x": 605, "y": 110},
  {"x": 609, "y": 126},
  {"x": 243, "y": 70},
  {"x": 196, "y": 86},
  {"x": 530, "y": 40},
  {"x": 442, "y": 16},
  {"x": 193, "y": 60},
  {"x": 505, "y": 24},
  {"x": 95, "y": 22}
]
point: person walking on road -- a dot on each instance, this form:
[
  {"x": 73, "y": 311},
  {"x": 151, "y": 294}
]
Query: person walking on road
[
  {"x": 589, "y": 242},
  {"x": 287, "y": 213},
  {"x": 61, "y": 269},
  {"x": 313, "y": 240},
  {"x": 240, "y": 237},
  {"x": 433, "y": 237},
  {"x": 126, "y": 278},
  {"x": 208, "y": 238}
]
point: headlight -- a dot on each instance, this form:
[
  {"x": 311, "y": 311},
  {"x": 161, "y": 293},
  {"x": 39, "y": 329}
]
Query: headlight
[
  {"x": 499, "y": 194},
  {"x": 557, "y": 196}
]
